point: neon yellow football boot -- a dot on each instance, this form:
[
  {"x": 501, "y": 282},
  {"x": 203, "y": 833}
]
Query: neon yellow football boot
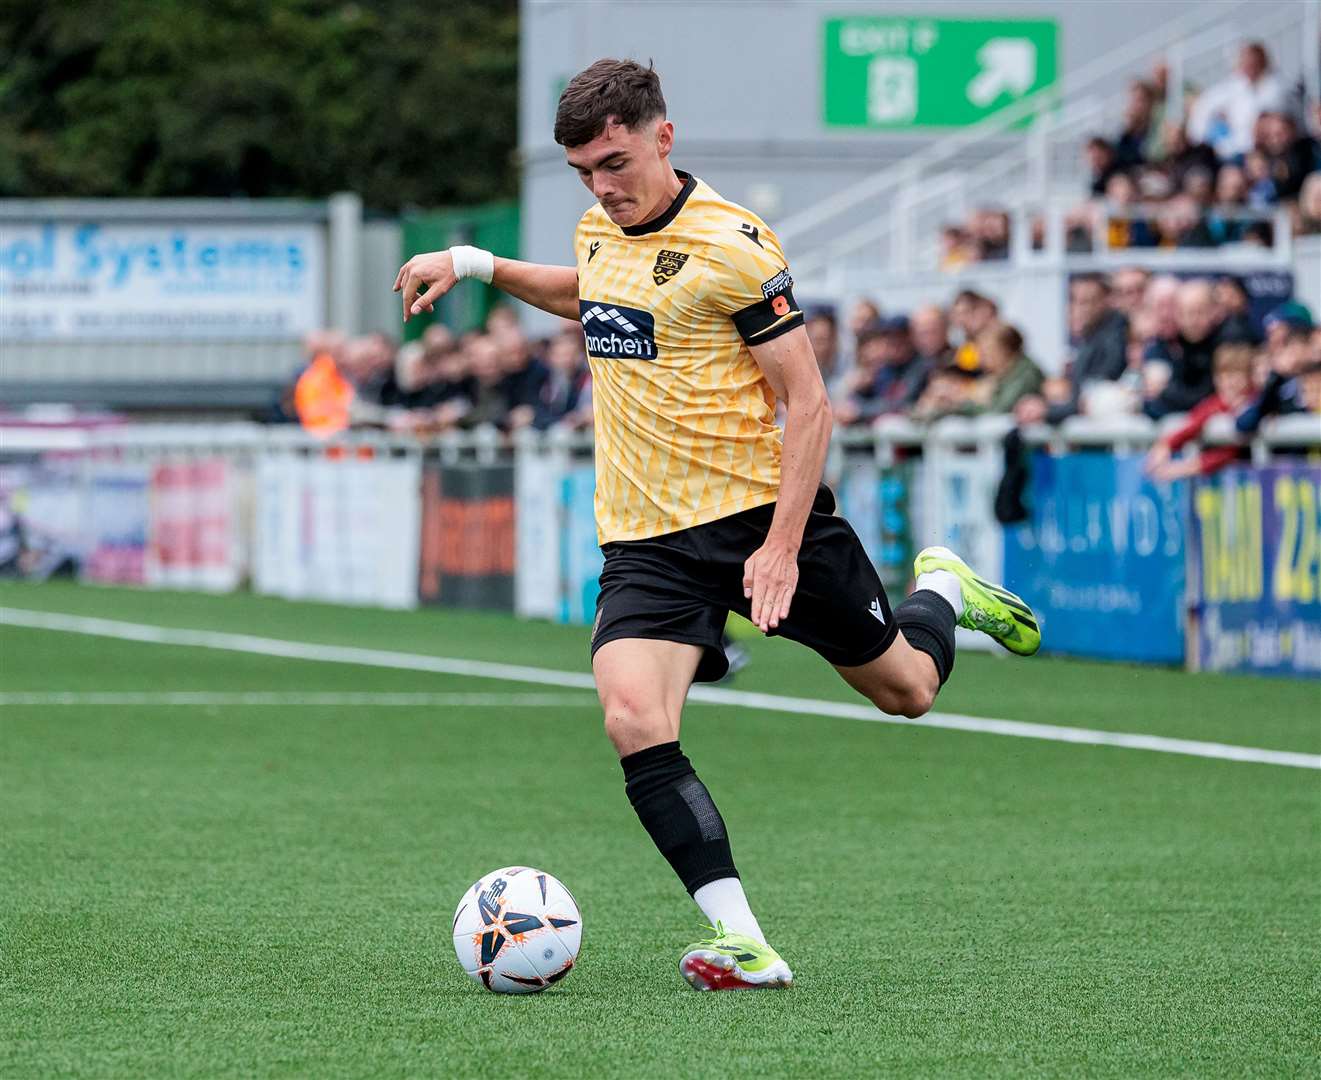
[
  {"x": 992, "y": 609},
  {"x": 733, "y": 962}
]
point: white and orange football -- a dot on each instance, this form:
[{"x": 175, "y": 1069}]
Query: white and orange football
[{"x": 517, "y": 930}]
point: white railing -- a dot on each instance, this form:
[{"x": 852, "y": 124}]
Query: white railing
[{"x": 887, "y": 440}]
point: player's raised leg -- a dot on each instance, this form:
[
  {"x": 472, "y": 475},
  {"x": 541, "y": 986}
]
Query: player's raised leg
[
  {"x": 642, "y": 684},
  {"x": 905, "y": 679}
]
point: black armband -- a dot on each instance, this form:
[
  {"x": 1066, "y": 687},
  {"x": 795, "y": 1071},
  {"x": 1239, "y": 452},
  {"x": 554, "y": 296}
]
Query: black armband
[{"x": 769, "y": 318}]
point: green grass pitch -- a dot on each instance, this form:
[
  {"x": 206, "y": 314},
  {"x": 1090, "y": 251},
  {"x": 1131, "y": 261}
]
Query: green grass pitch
[{"x": 251, "y": 891}]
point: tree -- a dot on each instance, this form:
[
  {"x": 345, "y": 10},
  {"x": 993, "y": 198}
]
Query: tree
[{"x": 403, "y": 102}]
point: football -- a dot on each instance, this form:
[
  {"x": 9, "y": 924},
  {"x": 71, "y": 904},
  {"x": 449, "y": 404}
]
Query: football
[{"x": 517, "y": 930}]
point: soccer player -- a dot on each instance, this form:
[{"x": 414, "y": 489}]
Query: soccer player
[{"x": 702, "y": 506}]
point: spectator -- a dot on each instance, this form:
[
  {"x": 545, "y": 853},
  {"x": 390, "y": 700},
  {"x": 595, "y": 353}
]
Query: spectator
[
  {"x": 931, "y": 337},
  {"x": 1291, "y": 354},
  {"x": 971, "y": 313},
  {"x": 1183, "y": 155},
  {"x": 1138, "y": 135},
  {"x": 1180, "y": 225},
  {"x": 1225, "y": 114},
  {"x": 1289, "y": 157},
  {"x": 566, "y": 395},
  {"x": 524, "y": 373},
  {"x": 823, "y": 333},
  {"x": 490, "y": 403},
  {"x": 1234, "y": 309},
  {"x": 862, "y": 314},
  {"x": 890, "y": 376},
  {"x": 1010, "y": 377},
  {"x": 1233, "y": 389},
  {"x": 1128, "y": 289},
  {"x": 990, "y": 229},
  {"x": 956, "y": 247},
  {"x": 1100, "y": 353},
  {"x": 1159, "y": 327},
  {"x": 1291, "y": 314},
  {"x": 1307, "y": 215},
  {"x": 1102, "y": 163},
  {"x": 373, "y": 369},
  {"x": 1224, "y": 220},
  {"x": 1261, "y": 184},
  {"x": 322, "y": 393},
  {"x": 1199, "y": 187},
  {"x": 1192, "y": 355},
  {"x": 1125, "y": 226}
]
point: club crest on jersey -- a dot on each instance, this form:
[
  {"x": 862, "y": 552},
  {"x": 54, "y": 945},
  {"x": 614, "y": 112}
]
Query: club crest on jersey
[
  {"x": 668, "y": 263},
  {"x": 616, "y": 332}
]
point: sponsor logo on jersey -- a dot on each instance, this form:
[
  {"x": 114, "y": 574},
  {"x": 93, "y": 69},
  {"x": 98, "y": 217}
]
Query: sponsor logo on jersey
[
  {"x": 777, "y": 284},
  {"x": 668, "y": 263},
  {"x": 750, "y": 231},
  {"x": 877, "y": 611},
  {"x": 615, "y": 332},
  {"x": 592, "y": 249}
]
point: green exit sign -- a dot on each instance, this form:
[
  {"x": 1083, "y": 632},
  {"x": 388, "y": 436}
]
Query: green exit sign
[{"x": 904, "y": 72}]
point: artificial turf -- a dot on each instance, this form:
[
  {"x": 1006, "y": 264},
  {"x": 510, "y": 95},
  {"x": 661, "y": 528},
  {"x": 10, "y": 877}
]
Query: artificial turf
[{"x": 266, "y": 891}]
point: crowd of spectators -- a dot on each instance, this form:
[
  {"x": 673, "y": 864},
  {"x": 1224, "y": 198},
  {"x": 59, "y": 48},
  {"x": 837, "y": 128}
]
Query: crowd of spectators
[
  {"x": 1139, "y": 343},
  {"x": 1245, "y": 146},
  {"x": 495, "y": 377}
]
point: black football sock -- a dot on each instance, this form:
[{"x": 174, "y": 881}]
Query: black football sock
[
  {"x": 677, "y": 811},
  {"x": 927, "y": 622}
]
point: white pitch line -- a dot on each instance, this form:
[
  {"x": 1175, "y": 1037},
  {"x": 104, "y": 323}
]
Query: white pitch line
[
  {"x": 332, "y": 699},
  {"x": 481, "y": 669}
]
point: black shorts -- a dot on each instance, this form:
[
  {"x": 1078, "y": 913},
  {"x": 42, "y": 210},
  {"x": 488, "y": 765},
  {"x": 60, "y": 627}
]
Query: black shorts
[{"x": 681, "y": 586}]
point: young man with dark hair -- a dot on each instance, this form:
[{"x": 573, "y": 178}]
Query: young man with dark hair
[{"x": 703, "y": 507}]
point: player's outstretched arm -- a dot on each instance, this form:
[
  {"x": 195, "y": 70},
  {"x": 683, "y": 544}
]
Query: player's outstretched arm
[
  {"x": 425, "y": 278},
  {"x": 770, "y": 575}
]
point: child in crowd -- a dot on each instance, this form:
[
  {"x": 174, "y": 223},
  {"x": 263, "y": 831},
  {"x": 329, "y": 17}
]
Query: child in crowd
[{"x": 1232, "y": 375}]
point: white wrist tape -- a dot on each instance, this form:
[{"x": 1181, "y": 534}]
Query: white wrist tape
[{"x": 473, "y": 262}]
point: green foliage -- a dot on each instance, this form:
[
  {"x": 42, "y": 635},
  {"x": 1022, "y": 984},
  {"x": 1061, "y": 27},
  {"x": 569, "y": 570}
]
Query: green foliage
[{"x": 408, "y": 104}]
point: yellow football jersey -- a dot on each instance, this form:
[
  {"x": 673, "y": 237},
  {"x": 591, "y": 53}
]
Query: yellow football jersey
[{"x": 685, "y": 420}]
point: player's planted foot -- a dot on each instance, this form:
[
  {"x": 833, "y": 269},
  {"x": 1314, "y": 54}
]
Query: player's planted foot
[
  {"x": 992, "y": 609},
  {"x": 733, "y": 962}
]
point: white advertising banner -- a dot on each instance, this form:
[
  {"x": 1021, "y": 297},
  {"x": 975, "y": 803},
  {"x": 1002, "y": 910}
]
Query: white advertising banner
[
  {"x": 143, "y": 281},
  {"x": 338, "y": 529},
  {"x": 538, "y": 481},
  {"x": 193, "y": 540},
  {"x": 956, "y": 509}
]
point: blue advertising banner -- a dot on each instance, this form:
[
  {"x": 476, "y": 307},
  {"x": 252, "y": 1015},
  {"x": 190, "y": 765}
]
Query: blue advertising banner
[
  {"x": 1102, "y": 558},
  {"x": 876, "y": 503},
  {"x": 1255, "y": 567},
  {"x": 580, "y": 555}
]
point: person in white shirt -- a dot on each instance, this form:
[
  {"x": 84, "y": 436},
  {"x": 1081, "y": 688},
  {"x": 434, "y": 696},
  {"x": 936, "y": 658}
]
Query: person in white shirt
[{"x": 1223, "y": 116}]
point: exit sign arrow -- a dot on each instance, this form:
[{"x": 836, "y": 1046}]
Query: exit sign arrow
[{"x": 1009, "y": 65}]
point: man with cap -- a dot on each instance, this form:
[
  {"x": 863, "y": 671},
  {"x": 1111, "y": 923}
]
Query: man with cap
[{"x": 890, "y": 377}]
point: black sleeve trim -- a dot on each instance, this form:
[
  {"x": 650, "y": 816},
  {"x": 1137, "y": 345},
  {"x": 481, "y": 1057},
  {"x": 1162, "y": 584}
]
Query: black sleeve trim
[{"x": 761, "y": 322}]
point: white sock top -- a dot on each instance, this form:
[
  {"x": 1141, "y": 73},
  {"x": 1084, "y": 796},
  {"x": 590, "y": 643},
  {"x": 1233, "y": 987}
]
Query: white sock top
[
  {"x": 945, "y": 584},
  {"x": 724, "y": 901}
]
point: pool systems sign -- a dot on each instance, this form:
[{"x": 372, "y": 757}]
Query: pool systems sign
[
  {"x": 142, "y": 281},
  {"x": 907, "y": 72}
]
